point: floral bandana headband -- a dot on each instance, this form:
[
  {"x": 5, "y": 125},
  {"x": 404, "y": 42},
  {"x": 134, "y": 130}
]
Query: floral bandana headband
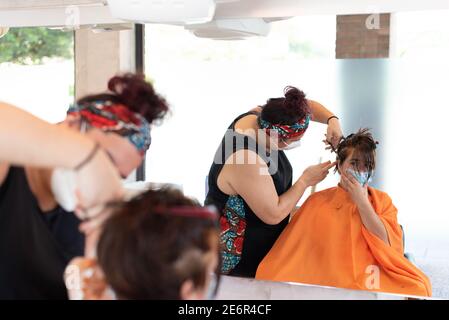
[
  {"x": 286, "y": 131},
  {"x": 117, "y": 118}
]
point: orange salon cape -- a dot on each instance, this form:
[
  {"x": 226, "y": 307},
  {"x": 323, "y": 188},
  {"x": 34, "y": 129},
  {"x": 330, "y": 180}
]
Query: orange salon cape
[{"x": 327, "y": 244}]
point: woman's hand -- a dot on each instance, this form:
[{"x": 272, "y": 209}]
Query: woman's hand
[
  {"x": 358, "y": 193},
  {"x": 317, "y": 173},
  {"x": 94, "y": 218},
  {"x": 334, "y": 133},
  {"x": 92, "y": 226},
  {"x": 98, "y": 183}
]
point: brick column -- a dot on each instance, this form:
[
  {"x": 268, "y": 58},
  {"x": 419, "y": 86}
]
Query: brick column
[
  {"x": 99, "y": 56},
  {"x": 363, "y": 45},
  {"x": 363, "y": 36}
]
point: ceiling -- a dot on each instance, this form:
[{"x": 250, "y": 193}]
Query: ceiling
[
  {"x": 15, "y": 13},
  {"x": 284, "y": 8},
  {"x": 40, "y": 4}
]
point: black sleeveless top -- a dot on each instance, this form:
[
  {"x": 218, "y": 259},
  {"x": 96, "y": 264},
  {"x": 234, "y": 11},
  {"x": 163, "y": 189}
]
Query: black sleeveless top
[
  {"x": 35, "y": 247},
  {"x": 245, "y": 239}
]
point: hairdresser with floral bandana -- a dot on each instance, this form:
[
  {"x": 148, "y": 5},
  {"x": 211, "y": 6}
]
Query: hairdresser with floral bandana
[
  {"x": 250, "y": 181},
  {"x": 49, "y": 172}
]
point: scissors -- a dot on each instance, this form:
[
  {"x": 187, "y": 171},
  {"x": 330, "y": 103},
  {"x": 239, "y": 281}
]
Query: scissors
[{"x": 330, "y": 146}]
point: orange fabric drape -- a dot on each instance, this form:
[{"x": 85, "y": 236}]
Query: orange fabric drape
[{"x": 327, "y": 244}]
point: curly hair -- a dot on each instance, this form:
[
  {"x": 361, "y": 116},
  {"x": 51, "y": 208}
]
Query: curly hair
[
  {"x": 288, "y": 110},
  {"x": 363, "y": 144},
  {"x": 136, "y": 93}
]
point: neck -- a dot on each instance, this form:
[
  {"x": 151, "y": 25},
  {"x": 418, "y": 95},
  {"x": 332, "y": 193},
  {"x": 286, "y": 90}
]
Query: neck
[
  {"x": 260, "y": 132},
  {"x": 342, "y": 187}
]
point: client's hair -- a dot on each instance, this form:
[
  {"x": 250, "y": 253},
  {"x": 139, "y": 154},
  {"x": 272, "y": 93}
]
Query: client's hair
[
  {"x": 364, "y": 146},
  {"x": 154, "y": 243}
]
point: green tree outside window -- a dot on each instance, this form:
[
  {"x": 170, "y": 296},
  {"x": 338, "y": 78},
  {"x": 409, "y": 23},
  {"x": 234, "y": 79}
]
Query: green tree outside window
[{"x": 33, "y": 45}]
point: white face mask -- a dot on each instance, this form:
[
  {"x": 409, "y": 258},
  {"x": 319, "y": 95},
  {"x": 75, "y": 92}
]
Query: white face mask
[{"x": 63, "y": 186}]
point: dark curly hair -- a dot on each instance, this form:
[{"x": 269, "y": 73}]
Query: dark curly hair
[
  {"x": 288, "y": 110},
  {"x": 147, "y": 253},
  {"x": 363, "y": 144},
  {"x": 134, "y": 92}
]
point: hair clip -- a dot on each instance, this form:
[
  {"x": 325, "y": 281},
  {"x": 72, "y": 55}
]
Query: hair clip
[{"x": 189, "y": 212}]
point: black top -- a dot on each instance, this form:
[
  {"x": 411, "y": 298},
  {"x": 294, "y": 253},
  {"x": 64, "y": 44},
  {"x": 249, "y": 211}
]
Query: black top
[
  {"x": 35, "y": 247},
  {"x": 245, "y": 238}
]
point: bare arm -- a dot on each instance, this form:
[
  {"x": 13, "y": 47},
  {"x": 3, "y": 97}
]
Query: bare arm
[
  {"x": 259, "y": 192},
  {"x": 371, "y": 221},
  {"x": 319, "y": 112},
  {"x": 27, "y": 140},
  {"x": 369, "y": 217}
]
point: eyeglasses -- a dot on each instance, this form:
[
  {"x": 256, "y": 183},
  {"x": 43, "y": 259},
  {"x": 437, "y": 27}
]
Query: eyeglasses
[
  {"x": 335, "y": 150},
  {"x": 84, "y": 127}
]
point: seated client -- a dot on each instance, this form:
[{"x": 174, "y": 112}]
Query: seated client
[{"x": 347, "y": 236}]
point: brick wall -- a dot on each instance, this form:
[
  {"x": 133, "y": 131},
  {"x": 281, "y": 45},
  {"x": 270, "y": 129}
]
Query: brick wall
[{"x": 363, "y": 36}]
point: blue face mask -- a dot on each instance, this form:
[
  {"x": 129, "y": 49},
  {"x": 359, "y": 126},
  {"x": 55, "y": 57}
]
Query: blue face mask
[{"x": 362, "y": 177}]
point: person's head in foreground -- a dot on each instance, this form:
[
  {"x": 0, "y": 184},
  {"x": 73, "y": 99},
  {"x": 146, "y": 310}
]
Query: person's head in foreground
[
  {"x": 159, "y": 245},
  {"x": 347, "y": 236},
  {"x": 120, "y": 120}
]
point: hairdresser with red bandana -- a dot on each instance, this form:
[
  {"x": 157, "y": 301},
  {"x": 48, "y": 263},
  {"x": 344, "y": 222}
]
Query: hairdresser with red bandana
[
  {"x": 250, "y": 180},
  {"x": 52, "y": 177}
]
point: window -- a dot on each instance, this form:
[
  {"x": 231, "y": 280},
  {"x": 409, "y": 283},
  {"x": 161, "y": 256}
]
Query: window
[
  {"x": 209, "y": 83},
  {"x": 404, "y": 100},
  {"x": 37, "y": 71},
  {"x": 416, "y": 127}
]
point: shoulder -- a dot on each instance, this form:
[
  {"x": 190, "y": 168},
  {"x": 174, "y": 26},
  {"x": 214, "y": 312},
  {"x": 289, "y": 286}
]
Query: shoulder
[
  {"x": 246, "y": 157},
  {"x": 245, "y": 166},
  {"x": 381, "y": 199},
  {"x": 316, "y": 199},
  {"x": 323, "y": 195},
  {"x": 256, "y": 109},
  {"x": 379, "y": 194}
]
